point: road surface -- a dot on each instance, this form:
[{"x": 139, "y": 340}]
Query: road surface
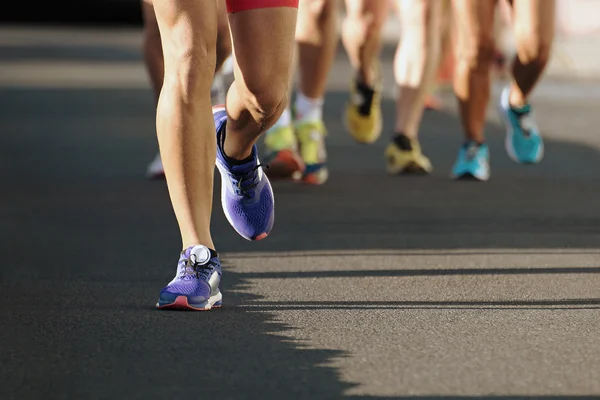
[{"x": 370, "y": 287}]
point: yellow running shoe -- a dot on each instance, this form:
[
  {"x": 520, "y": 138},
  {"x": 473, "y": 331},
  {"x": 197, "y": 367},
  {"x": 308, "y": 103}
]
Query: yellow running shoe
[
  {"x": 363, "y": 112},
  {"x": 282, "y": 154},
  {"x": 311, "y": 137},
  {"x": 404, "y": 156}
]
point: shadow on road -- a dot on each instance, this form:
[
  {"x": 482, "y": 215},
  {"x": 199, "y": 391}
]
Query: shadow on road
[
  {"x": 475, "y": 397},
  {"x": 564, "y": 304},
  {"x": 77, "y": 312}
]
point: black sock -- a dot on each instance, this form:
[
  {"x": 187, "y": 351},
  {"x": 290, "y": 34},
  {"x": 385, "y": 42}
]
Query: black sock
[
  {"x": 366, "y": 92},
  {"x": 402, "y": 141},
  {"x": 221, "y": 144}
]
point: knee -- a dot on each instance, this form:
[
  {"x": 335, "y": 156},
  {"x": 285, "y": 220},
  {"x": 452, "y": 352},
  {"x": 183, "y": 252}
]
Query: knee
[
  {"x": 364, "y": 25},
  {"x": 329, "y": 9},
  {"x": 531, "y": 47},
  {"x": 478, "y": 54},
  {"x": 265, "y": 100},
  {"x": 189, "y": 66},
  {"x": 319, "y": 10},
  {"x": 315, "y": 17}
]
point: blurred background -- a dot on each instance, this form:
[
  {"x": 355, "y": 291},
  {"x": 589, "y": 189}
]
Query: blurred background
[
  {"x": 104, "y": 12},
  {"x": 578, "y": 28},
  {"x": 371, "y": 287}
]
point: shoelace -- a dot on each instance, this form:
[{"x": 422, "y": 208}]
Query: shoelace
[
  {"x": 526, "y": 123},
  {"x": 471, "y": 151},
  {"x": 193, "y": 269},
  {"x": 240, "y": 180},
  {"x": 526, "y": 120}
]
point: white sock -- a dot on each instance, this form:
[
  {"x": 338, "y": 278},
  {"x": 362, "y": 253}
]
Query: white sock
[
  {"x": 283, "y": 121},
  {"x": 308, "y": 109}
]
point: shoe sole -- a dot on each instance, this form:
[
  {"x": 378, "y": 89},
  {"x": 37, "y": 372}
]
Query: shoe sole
[
  {"x": 181, "y": 303},
  {"x": 412, "y": 168},
  {"x": 470, "y": 177},
  {"x": 315, "y": 178},
  {"x": 286, "y": 165}
]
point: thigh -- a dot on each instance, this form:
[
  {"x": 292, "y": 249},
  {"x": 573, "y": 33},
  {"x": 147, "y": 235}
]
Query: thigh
[
  {"x": 313, "y": 15},
  {"x": 310, "y": 11},
  {"x": 534, "y": 19},
  {"x": 374, "y": 10},
  {"x": 314, "y": 8},
  {"x": 474, "y": 24},
  {"x": 412, "y": 15},
  {"x": 263, "y": 45},
  {"x": 446, "y": 18}
]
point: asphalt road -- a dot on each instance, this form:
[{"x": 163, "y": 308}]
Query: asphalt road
[{"x": 370, "y": 287}]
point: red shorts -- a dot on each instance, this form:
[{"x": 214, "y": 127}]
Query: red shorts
[{"x": 243, "y": 5}]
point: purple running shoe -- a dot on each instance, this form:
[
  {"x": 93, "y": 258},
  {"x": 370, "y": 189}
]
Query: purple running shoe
[
  {"x": 196, "y": 284},
  {"x": 246, "y": 194}
]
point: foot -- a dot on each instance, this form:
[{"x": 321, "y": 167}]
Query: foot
[
  {"x": 473, "y": 162},
  {"x": 282, "y": 154},
  {"x": 524, "y": 143},
  {"x": 363, "y": 112},
  {"x": 434, "y": 103},
  {"x": 196, "y": 283},
  {"x": 311, "y": 136},
  {"x": 404, "y": 156},
  {"x": 246, "y": 194}
]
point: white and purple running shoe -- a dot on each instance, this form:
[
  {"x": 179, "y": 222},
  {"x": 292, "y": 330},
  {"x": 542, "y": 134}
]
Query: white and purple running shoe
[
  {"x": 196, "y": 284},
  {"x": 246, "y": 194}
]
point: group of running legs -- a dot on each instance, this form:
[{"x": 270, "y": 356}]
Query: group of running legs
[{"x": 186, "y": 44}]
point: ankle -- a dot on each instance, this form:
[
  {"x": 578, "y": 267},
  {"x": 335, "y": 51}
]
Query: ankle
[
  {"x": 402, "y": 141},
  {"x": 308, "y": 109},
  {"x": 516, "y": 101}
]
